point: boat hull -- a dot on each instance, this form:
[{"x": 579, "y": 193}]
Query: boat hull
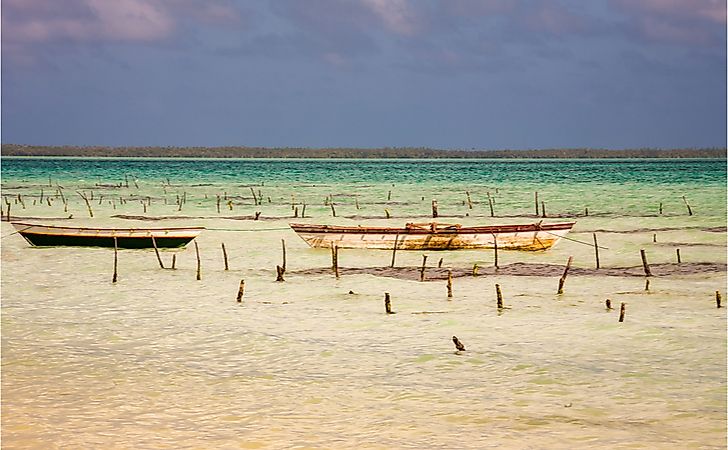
[
  {"x": 527, "y": 237},
  {"x": 49, "y": 236}
]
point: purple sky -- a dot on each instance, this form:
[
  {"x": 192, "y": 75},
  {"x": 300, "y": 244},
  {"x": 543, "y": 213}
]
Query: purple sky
[{"x": 365, "y": 73}]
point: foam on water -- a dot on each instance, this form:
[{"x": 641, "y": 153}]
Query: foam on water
[{"x": 161, "y": 360}]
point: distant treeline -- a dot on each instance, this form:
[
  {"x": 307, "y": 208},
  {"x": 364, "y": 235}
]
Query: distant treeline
[{"x": 385, "y": 152}]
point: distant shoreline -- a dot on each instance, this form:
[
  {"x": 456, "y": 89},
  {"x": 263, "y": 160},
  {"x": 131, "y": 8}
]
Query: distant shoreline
[{"x": 351, "y": 153}]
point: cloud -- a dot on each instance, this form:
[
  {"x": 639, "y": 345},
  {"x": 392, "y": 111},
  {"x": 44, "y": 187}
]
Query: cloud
[
  {"x": 683, "y": 22},
  {"x": 29, "y": 25}
]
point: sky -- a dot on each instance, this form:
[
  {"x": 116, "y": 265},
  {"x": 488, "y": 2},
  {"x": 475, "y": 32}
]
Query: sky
[{"x": 449, "y": 74}]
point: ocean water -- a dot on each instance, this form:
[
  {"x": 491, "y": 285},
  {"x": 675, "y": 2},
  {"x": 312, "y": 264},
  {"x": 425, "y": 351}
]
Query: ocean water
[{"x": 162, "y": 360}]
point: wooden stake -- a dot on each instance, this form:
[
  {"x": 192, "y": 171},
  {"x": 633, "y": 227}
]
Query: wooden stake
[
  {"x": 422, "y": 270},
  {"x": 335, "y": 256},
  {"x": 596, "y": 249},
  {"x": 114, "y": 278},
  {"x": 257, "y": 215},
  {"x": 470, "y": 203},
  {"x": 475, "y": 269},
  {"x": 156, "y": 250},
  {"x": 543, "y": 209},
  {"x": 647, "y": 284},
  {"x": 255, "y": 199},
  {"x": 645, "y": 266},
  {"x": 356, "y": 201},
  {"x": 218, "y": 204},
  {"x": 690, "y": 211},
  {"x": 85, "y": 199},
  {"x": 197, "y": 252},
  {"x": 333, "y": 211},
  {"x": 586, "y": 212},
  {"x": 622, "y": 310},
  {"x": 717, "y": 299},
  {"x": 660, "y": 208},
  {"x": 677, "y": 251},
  {"x": 387, "y": 304},
  {"x": 386, "y": 212},
  {"x": 241, "y": 291},
  {"x": 394, "y": 249},
  {"x": 174, "y": 260},
  {"x": 654, "y": 237},
  {"x": 389, "y": 195},
  {"x": 434, "y": 209},
  {"x": 439, "y": 263},
  {"x": 608, "y": 304},
  {"x": 490, "y": 204},
  {"x": 495, "y": 250},
  {"x": 224, "y": 256},
  {"x": 279, "y": 273},
  {"x": 499, "y": 296},
  {"x": 303, "y": 211},
  {"x": 459, "y": 346},
  {"x": 449, "y": 283},
  {"x": 283, "y": 247},
  {"x": 563, "y": 277},
  {"x": 535, "y": 199},
  {"x": 295, "y": 211}
]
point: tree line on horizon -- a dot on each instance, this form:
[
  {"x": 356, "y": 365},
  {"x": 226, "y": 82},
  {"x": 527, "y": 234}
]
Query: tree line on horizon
[{"x": 344, "y": 152}]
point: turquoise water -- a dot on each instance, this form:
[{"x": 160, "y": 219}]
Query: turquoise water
[{"x": 162, "y": 360}]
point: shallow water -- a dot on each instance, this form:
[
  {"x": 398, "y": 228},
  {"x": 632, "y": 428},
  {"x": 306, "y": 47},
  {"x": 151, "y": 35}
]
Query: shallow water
[{"x": 161, "y": 360}]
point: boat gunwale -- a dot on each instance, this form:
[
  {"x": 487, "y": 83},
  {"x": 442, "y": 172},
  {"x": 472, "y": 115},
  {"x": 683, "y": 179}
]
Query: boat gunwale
[
  {"x": 29, "y": 225},
  {"x": 487, "y": 229}
]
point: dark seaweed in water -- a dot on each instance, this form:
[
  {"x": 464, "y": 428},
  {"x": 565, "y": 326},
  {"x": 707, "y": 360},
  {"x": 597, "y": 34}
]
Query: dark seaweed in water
[{"x": 525, "y": 269}]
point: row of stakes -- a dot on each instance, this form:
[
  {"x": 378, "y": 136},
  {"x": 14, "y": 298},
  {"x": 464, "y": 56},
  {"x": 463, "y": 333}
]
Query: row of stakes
[
  {"x": 258, "y": 200},
  {"x": 280, "y": 271}
]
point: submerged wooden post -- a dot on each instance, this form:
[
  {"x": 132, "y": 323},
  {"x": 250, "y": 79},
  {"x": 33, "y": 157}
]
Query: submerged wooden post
[
  {"x": 434, "y": 209},
  {"x": 197, "y": 252},
  {"x": 241, "y": 291},
  {"x": 586, "y": 212},
  {"x": 394, "y": 249},
  {"x": 113, "y": 278},
  {"x": 622, "y": 310},
  {"x": 470, "y": 203},
  {"x": 336, "y": 260},
  {"x": 356, "y": 201},
  {"x": 660, "y": 208},
  {"x": 645, "y": 266},
  {"x": 224, "y": 256},
  {"x": 499, "y": 296},
  {"x": 218, "y": 204},
  {"x": 608, "y": 305},
  {"x": 389, "y": 195},
  {"x": 596, "y": 249},
  {"x": 422, "y": 270},
  {"x": 459, "y": 346},
  {"x": 490, "y": 204},
  {"x": 543, "y": 210},
  {"x": 449, "y": 283},
  {"x": 283, "y": 248},
  {"x": 535, "y": 199},
  {"x": 717, "y": 299},
  {"x": 439, "y": 263},
  {"x": 333, "y": 211},
  {"x": 647, "y": 284},
  {"x": 85, "y": 199},
  {"x": 156, "y": 250},
  {"x": 654, "y": 237},
  {"x": 303, "y": 211},
  {"x": 495, "y": 250},
  {"x": 387, "y": 304},
  {"x": 279, "y": 273},
  {"x": 690, "y": 211},
  {"x": 677, "y": 251},
  {"x": 8, "y": 216},
  {"x": 563, "y": 277}
]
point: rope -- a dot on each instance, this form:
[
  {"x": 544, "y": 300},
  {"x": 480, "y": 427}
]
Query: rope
[
  {"x": 15, "y": 232},
  {"x": 574, "y": 240},
  {"x": 259, "y": 229}
]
